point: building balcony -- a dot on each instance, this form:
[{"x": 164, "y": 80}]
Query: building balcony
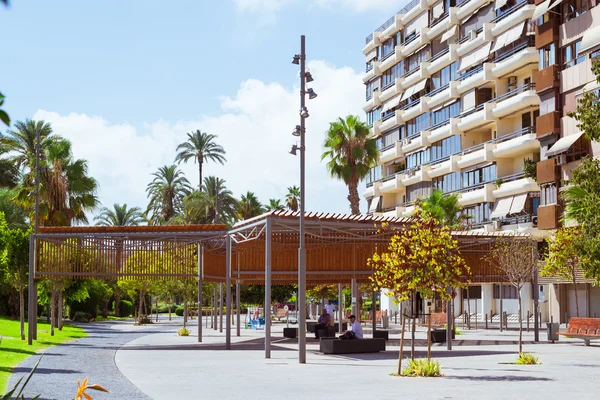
[
  {"x": 520, "y": 12},
  {"x": 420, "y": 41},
  {"x": 476, "y": 155},
  {"x": 516, "y": 144},
  {"x": 392, "y": 59},
  {"x": 477, "y": 117},
  {"x": 444, "y": 167},
  {"x": 372, "y": 73},
  {"x": 392, "y": 184},
  {"x": 549, "y": 217},
  {"x": 437, "y": 62},
  {"x": 372, "y": 42},
  {"x": 394, "y": 25},
  {"x": 548, "y": 124},
  {"x": 392, "y": 212},
  {"x": 376, "y": 129},
  {"x": 515, "y": 184},
  {"x": 547, "y": 79},
  {"x": 521, "y": 224},
  {"x": 516, "y": 100},
  {"x": 416, "y": 142},
  {"x": 416, "y": 76},
  {"x": 392, "y": 90},
  {"x": 444, "y": 131},
  {"x": 470, "y": 7},
  {"x": 372, "y": 103},
  {"x": 547, "y": 33},
  {"x": 392, "y": 121},
  {"x": 548, "y": 171},
  {"x": 391, "y": 153},
  {"x": 412, "y": 10},
  {"x": 521, "y": 58},
  {"x": 417, "y": 176},
  {"x": 443, "y": 25},
  {"x": 475, "y": 78},
  {"x": 408, "y": 211},
  {"x": 372, "y": 190},
  {"x": 444, "y": 95},
  {"x": 482, "y": 193},
  {"x": 416, "y": 110}
]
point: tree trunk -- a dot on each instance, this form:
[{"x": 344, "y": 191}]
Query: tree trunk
[
  {"x": 354, "y": 198},
  {"x": 52, "y": 312},
  {"x": 105, "y": 308},
  {"x": 429, "y": 338},
  {"x": 22, "y": 310},
  {"x": 520, "y": 324},
  {"x": 200, "y": 173},
  {"x": 140, "y": 307},
  {"x": 401, "y": 355},
  {"x": 576, "y": 298},
  {"x": 117, "y": 310},
  {"x": 169, "y": 305},
  {"x": 185, "y": 313},
  {"x": 414, "y": 325}
]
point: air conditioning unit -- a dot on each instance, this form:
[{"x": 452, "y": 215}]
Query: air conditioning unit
[
  {"x": 534, "y": 220},
  {"x": 497, "y": 224},
  {"x": 561, "y": 159},
  {"x": 472, "y": 35},
  {"x": 512, "y": 82}
]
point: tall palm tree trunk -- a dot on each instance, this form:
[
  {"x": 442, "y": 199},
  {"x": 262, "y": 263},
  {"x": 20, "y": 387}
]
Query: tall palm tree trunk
[
  {"x": 354, "y": 198},
  {"x": 200, "y": 175}
]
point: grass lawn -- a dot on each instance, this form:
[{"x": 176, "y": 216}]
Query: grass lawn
[
  {"x": 111, "y": 318},
  {"x": 13, "y": 350}
]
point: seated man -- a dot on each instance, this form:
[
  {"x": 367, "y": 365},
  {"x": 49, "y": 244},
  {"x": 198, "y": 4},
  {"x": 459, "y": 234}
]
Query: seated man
[
  {"x": 323, "y": 322},
  {"x": 355, "y": 331}
]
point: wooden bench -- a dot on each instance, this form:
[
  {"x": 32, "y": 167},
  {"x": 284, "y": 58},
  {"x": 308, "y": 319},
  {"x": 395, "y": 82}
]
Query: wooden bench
[
  {"x": 338, "y": 346},
  {"x": 583, "y": 328}
]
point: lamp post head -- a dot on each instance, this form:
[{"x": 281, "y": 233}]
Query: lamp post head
[
  {"x": 296, "y": 59},
  {"x": 311, "y": 94},
  {"x": 308, "y": 77},
  {"x": 297, "y": 131},
  {"x": 304, "y": 112}
]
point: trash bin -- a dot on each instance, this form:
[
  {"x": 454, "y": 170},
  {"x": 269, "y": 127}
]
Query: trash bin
[
  {"x": 553, "y": 328},
  {"x": 385, "y": 321}
]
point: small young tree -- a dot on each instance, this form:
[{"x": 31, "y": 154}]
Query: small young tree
[
  {"x": 563, "y": 259},
  {"x": 516, "y": 256},
  {"x": 423, "y": 258}
]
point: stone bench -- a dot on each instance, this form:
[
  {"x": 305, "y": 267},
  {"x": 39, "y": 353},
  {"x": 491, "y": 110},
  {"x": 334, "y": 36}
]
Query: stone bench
[
  {"x": 339, "y": 346},
  {"x": 382, "y": 335}
]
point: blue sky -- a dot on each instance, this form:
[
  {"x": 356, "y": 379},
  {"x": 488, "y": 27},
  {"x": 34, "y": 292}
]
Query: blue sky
[{"x": 125, "y": 80}]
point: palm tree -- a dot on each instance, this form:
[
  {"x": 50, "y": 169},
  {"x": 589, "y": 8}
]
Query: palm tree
[
  {"x": 120, "y": 215},
  {"x": 274, "y": 205},
  {"x": 445, "y": 209},
  {"x": 249, "y": 206},
  {"x": 21, "y": 142},
  {"x": 166, "y": 193},
  {"x": 200, "y": 146},
  {"x": 351, "y": 153},
  {"x": 292, "y": 198}
]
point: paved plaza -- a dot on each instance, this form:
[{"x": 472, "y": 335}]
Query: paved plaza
[{"x": 153, "y": 362}]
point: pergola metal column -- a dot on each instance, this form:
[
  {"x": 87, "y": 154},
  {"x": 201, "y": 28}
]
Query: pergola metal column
[
  {"x": 268, "y": 290},
  {"x": 228, "y": 292},
  {"x": 215, "y": 301},
  {"x": 374, "y": 311},
  {"x": 30, "y": 293},
  {"x": 340, "y": 308},
  {"x": 200, "y": 282},
  {"x": 221, "y": 307},
  {"x": 237, "y": 307}
]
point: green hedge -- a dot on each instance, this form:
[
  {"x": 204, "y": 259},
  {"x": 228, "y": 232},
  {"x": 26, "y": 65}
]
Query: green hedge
[{"x": 125, "y": 308}]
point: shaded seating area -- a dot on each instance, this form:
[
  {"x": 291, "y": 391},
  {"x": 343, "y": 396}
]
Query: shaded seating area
[{"x": 587, "y": 329}]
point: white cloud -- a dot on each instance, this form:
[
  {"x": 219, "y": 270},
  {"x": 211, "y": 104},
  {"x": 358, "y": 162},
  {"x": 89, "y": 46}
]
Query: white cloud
[
  {"x": 265, "y": 10},
  {"x": 269, "y": 8},
  {"x": 254, "y": 128},
  {"x": 355, "y": 5}
]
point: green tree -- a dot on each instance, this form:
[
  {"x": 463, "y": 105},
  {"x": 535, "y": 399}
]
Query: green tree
[
  {"x": 274, "y": 205},
  {"x": 443, "y": 208},
  {"x": 16, "y": 216},
  {"x": 249, "y": 206},
  {"x": 351, "y": 153},
  {"x": 425, "y": 259},
  {"x": 201, "y": 147},
  {"x": 292, "y": 198},
  {"x": 120, "y": 215},
  {"x": 516, "y": 257},
  {"x": 563, "y": 258},
  {"x": 588, "y": 109},
  {"x": 3, "y": 115},
  {"x": 166, "y": 192}
]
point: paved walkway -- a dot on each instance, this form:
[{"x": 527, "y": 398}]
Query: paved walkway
[{"x": 162, "y": 365}]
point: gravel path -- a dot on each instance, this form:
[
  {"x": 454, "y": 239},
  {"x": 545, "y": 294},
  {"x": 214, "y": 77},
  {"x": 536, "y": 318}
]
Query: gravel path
[{"x": 92, "y": 357}]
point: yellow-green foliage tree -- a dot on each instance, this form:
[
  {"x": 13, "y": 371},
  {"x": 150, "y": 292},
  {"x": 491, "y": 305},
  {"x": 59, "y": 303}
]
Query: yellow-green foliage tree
[
  {"x": 563, "y": 259},
  {"x": 422, "y": 258},
  {"x": 139, "y": 286}
]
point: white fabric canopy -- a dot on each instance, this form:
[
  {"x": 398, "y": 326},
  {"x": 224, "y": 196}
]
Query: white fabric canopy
[
  {"x": 374, "y": 204},
  {"x": 416, "y": 24},
  {"x": 589, "y": 87},
  {"x": 591, "y": 39},
  {"x": 391, "y": 104},
  {"x": 414, "y": 89},
  {"x": 518, "y": 204},
  {"x": 502, "y": 207},
  {"x": 541, "y": 9},
  {"x": 474, "y": 57},
  {"x": 468, "y": 100},
  {"x": 450, "y": 33},
  {"x": 563, "y": 144},
  {"x": 372, "y": 55},
  {"x": 508, "y": 37},
  {"x": 500, "y": 4},
  {"x": 438, "y": 9}
]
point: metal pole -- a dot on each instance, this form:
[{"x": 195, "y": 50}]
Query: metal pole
[
  {"x": 215, "y": 307},
  {"x": 340, "y": 308},
  {"x": 449, "y": 316},
  {"x": 217, "y": 201},
  {"x": 30, "y": 307},
  {"x": 501, "y": 306},
  {"x": 237, "y": 307},
  {"x": 228, "y": 292},
  {"x": 302, "y": 250},
  {"x": 32, "y": 268},
  {"x": 221, "y": 307},
  {"x": 200, "y": 282},
  {"x": 536, "y": 305},
  {"x": 268, "y": 290},
  {"x": 374, "y": 311}
]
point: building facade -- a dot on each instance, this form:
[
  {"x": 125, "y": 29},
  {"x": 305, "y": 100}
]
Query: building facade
[{"x": 471, "y": 97}]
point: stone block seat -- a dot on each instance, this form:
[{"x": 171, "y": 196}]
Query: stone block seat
[{"x": 339, "y": 346}]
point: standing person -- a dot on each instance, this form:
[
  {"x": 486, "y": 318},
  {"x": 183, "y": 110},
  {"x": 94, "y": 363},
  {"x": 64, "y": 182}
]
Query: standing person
[
  {"x": 355, "y": 331},
  {"x": 323, "y": 322},
  {"x": 330, "y": 307}
]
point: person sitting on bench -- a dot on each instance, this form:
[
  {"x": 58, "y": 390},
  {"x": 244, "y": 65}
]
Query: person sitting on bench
[
  {"x": 355, "y": 331},
  {"x": 323, "y": 322}
]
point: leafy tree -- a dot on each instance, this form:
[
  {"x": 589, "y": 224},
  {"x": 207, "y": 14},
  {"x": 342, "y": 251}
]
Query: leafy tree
[
  {"x": 21, "y": 141},
  {"x": 120, "y": 215},
  {"x": 9, "y": 173},
  {"x": 351, "y": 153},
  {"x": 425, "y": 259},
  {"x": 292, "y": 198},
  {"x": 201, "y": 207},
  {"x": 201, "y": 147},
  {"x": 255, "y": 294},
  {"x": 588, "y": 109},
  {"x": 321, "y": 292},
  {"x": 3, "y": 115},
  {"x": 516, "y": 257},
  {"x": 274, "y": 205},
  {"x": 443, "y": 208},
  {"x": 166, "y": 193},
  {"x": 16, "y": 216},
  {"x": 249, "y": 206},
  {"x": 563, "y": 258},
  {"x": 139, "y": 286}
]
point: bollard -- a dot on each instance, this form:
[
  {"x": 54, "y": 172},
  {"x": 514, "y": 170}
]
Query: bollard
[
  {"x": 540, "y": 320},
  {"x": 486, "y": 324},
  {"x": 527, "y": 320}
]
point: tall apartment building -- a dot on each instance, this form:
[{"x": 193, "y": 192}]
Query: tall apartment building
[{"x": 471, "y": 97}]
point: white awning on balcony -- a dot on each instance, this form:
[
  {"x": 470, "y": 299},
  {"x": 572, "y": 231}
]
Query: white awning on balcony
[
  {"x": 500, "y": 4},
  {"x": 541, "y": 10},
  {"x": 450, "y": 33},
  {"x": 589, "y": 87},
  {"x": 563, "y": 144},
  {"x": 508, "y": 37},
  {"x": 416, "y": 24},
  {"x": 414, "y": 89},
  {"x": 502, "y": 208},
  {"x": 468, "y": 100},
  {"x": 474, "y": 57},
  {"x": 518, "y": 204},
  {"x": 393, "y": 102},
  {"x": 438, "y": 9},
  {"x": 374, "y": 204},
  {"x": 372, "y": 55},
  {"x": 554, "y": 4},
  {"x": 591, "y": 39}
]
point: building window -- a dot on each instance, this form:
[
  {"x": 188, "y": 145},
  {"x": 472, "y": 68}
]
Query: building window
[
  {"x": 369, "y": 89},
  {"x": 509, "y": 292},
  {"x": 374, "y": 174},
  {"x": 418, "y": 124},
  {"x": 594, "y": 54},
  {"x": 388, "y": 78},
  {"x": 388, "y": 47},
  {"x": 477, "y": 214},
  {"x": 447, "y": 183},
  {"x": 444, "y": 76},
  {"x": 444, "y": 114},
  {"x": 548, "y": 194},
  {"x": 547, "y": 56},
  {"x": 420, "y": 190},
  {"x": 416, "y": 59},
  {"x": 474, "y": 293},
  {"x": 390, "y": 138},
  {"x": 373, "y": 116},
  {"x": 479, "y": 176},
  {"x": 571, "y": 55},
  {"x": 417, "y": 159},
  {"x": 573, "y": 9},
  {"x": 526, "y": 120},
  {"x": 445, "y": 148}
]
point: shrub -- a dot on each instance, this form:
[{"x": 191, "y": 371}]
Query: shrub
[
  {"x": 81, "y": 316},
  {"x": 162, "y": 308},
  {"x": 183, "y": 332},
  {"x": 179, "y": 311},
  {"x": 527, "y": 359},
  {"x": 422, "y": 367},
  {"x": 125, "y": 308}
]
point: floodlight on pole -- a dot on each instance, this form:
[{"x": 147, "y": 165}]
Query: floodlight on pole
[
  {"x": 308, "y": 77},
  {"x": 304, "y": 112},
  {"x": 297, "y": 131},
  {"x": 311, "y": 94}
]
